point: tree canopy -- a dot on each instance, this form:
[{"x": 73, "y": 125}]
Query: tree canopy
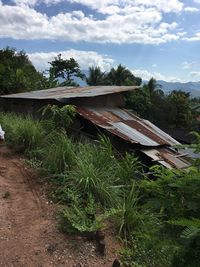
[
  {"x": 17, "y": 73},
  {"x": 122, "y": 76},
  {"x": 182, "y": 111},
  {"x": 96, "y": 76},
  {"x": 116, "y": 76},
  {"x": 63, "y": 71},
  {"x": 168, "y": 111}
]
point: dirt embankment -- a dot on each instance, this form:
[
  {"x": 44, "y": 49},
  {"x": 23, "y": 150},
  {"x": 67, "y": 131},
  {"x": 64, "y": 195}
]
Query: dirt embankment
[{"x": 28, "y": 229}]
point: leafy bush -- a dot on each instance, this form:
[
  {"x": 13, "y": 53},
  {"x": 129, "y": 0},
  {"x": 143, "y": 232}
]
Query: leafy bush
[
  {"x": 142, "y": 233},
  {"x": 129, "y": 169},
  {"x": 145, "y": 253},
  {"x": 188, "y": 255},
  {"x": 82, "y": 217},
  {"x": 61, "y": 117},
  {"x": 174, "y": 193}
]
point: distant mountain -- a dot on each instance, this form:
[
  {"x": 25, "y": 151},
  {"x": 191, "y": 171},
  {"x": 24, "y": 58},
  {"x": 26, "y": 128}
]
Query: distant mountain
[{"x": 191, "y": 87}]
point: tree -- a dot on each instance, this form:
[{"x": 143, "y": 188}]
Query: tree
[
  {"x": 17, "y": 73},
  {"x": 143, "y": 99},
  {"x": 139, "y": 101},
  {"x": 96, "y": 77},
  {"x": 122, "y": 76},
  {"x": 64, "y": 70},
  {"x": 119, "y": 76},
  {"x": 150, "y": 103},
  {"x": 182, "y": 112}
]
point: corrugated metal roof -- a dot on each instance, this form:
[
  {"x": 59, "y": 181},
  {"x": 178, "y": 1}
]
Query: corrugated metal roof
[
  {"x": 71, "y": 92},
  {"x": 127, "y": 126},
  {"x": 155, "y": 143}
]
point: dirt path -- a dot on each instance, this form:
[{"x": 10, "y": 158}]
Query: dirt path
[{"x": 28, "y": 232}]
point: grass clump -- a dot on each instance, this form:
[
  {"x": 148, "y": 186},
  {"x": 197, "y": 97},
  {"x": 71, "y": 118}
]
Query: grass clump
[
  {"x": 22, "y": 133},
  {"x": 58, "y": 153}
]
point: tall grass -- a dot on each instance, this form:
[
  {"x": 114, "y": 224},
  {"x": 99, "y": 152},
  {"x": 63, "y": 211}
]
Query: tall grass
[
  {"x": 94, "y": 174},
  {"x": 58, "y": 153},
  {"x": 22, "y": 134}
]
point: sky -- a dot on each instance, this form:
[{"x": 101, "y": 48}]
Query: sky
[{"x": 153, "y": 38}]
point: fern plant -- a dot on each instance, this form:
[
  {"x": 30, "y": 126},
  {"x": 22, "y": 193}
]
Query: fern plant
[
  {"x": 188, "y": 255},
  {"x": 82, "y": 217},
  {"x": 192, "y": 227}
]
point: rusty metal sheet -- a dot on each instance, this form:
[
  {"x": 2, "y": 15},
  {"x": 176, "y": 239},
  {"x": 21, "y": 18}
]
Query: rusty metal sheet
[
  {"x": 127, "y": 126},
  {"x": 161, "y": 133},
  {"x": 60, "y": 93},
  {"x": 153, "y": 141},
  {"x": 134, "y": 135},
  {"x": 167, "y": 157}
]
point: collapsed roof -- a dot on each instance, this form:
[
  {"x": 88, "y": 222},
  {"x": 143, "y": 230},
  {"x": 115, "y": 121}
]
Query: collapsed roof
[{"x": 152, "y": 141}]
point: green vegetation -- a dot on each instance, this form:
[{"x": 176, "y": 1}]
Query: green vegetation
[
  {"x": 17, "y": 73},
  {"x": 172, "y": 111},
  {"x": 116, "y": 76},
  {"x": 23, "y": 134},
  {"x": 63, "y": 71},
  {"x": 158, "y": 220},
  {"x": 96, "y": 77}
]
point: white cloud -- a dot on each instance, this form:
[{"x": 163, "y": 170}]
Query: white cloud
[
  {"x": 85, "y": 59},
  {"x": 191, "y": 9},
  {"x": 196, "y": 37},
  {"x": 187, "y": 65},
  {"x": 101, "y": 6},
  {"x": 141, "y": 25},
  {"x": 197, "y": 1},
  {"x": 32, "y": 3},
  {"x": 154, "y": 65},
  {"x": 26, "y": 2},
  {"x": 113, "y": 6},
  {"x": 147, "y": 75}
]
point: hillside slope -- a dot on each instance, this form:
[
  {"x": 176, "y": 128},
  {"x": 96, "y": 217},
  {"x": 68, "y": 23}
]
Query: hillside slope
[{"x": 28, "y": 227}]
